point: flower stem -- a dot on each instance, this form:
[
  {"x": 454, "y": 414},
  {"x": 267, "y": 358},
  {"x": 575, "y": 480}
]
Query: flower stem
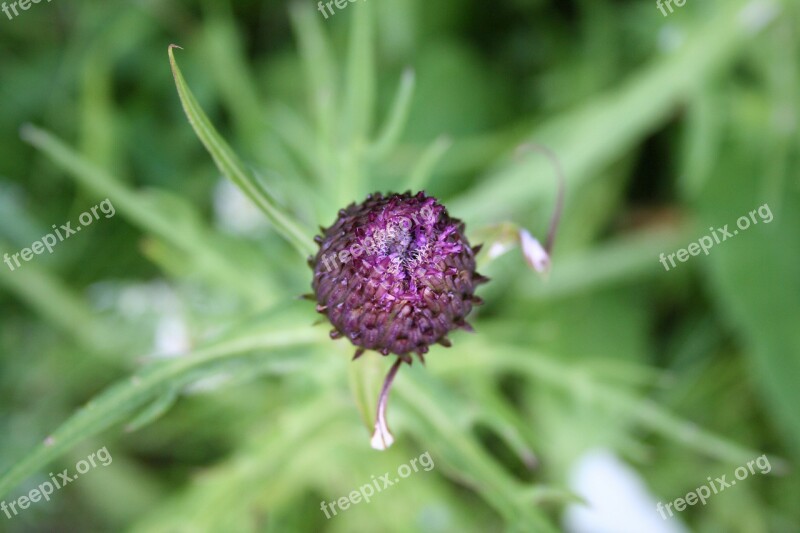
[
  {"x": 556, "y": 218},
  {"x": 382, "y": 438}
]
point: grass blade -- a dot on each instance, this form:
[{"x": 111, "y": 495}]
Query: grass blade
[
  {"x": 595, "y": 135},
  {"x": 121, "y": 400},
  {"x": 398, "y": 116},
  {"x": 160, "y": 213},
  {"x": 423, "y": 171},
  {"x": 228, "y": 163}
]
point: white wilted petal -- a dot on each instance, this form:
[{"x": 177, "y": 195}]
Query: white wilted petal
[
  {"x": 535, "y": 254},
  {"x": 381, "y": 438}
]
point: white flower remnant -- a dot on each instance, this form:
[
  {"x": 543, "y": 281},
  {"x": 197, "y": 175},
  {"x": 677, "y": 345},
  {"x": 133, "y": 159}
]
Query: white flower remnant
[{"x": 535, "y": 254}]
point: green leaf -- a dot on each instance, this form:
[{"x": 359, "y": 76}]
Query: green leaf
[
  {"x": 592, "y": 137},
  {"x": 154, "y": 411},
  {"x": 228, "y": 163},
  {"x": 320, "y": 70},
  {"x": 119, "y": 401},
  {"x": 366, "y": 377},
  {"x": 422, "y": 172},
  {"x": 439, "y": 419},
  {"x": 57, "y": 303},
  {"x": 166, "y": 215},
  {"x": 393, "y": 128},
  {"x": 359, "y": 95},
  {"x": 754, "y": 276},
  {"x": 647, "y": 413}
]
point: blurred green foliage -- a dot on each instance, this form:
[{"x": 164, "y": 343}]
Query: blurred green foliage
[{"x": 171, "y": 333}]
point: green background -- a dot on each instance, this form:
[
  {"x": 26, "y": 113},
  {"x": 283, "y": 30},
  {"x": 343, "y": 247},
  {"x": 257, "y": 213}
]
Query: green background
[{"x": 171, "y": 333}]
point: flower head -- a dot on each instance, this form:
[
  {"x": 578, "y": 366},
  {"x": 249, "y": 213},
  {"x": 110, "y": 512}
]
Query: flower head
[{"x": 395, "y": 274}]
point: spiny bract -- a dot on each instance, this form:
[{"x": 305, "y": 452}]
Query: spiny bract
[{"x": 395, "y": 274}]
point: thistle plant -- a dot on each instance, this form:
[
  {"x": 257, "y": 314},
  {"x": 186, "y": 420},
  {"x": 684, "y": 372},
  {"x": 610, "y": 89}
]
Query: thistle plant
[
  {"x": 417, "y": 277},
  {"x": 552, "y": 368}
]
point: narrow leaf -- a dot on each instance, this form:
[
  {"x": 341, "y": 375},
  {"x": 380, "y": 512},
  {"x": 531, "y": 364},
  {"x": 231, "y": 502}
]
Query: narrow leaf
[
  {"x": 423, "y": 171},
  {"x": 398, "y": 116},
  {"x": 230, "y": 165},
  {"x": 154, "y": 411},
  {"x": 119, "y": 401}
]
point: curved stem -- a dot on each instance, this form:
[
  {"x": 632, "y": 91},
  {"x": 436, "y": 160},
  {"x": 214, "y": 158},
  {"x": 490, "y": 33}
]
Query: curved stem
[
  {"x": 382, "y": 438},
  {"x": 556, "y": 218}
]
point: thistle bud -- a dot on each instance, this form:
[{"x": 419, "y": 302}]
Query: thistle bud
[{"x": 395, "y": 274}]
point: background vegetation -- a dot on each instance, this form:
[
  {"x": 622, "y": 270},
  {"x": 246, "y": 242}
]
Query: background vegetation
[{"x": 172, "y": 333}]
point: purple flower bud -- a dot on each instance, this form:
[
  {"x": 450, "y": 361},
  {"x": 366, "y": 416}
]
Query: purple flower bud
[{"x": 395, "y": 274}]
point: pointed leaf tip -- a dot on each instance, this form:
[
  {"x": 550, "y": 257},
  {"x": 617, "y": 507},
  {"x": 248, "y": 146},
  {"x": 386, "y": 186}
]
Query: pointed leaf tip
[{"x": 232, "y": 167}]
